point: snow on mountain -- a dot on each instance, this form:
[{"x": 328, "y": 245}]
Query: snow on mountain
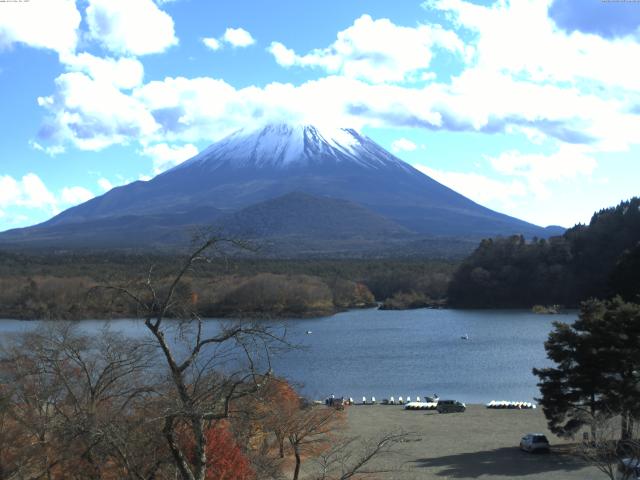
[
  {"x": 285, "y": 145},
  {"x": 287, "y": 180}
]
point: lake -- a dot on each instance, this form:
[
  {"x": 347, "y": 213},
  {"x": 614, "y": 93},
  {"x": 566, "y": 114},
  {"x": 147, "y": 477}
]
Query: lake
[{"x": 404, "y": 353}]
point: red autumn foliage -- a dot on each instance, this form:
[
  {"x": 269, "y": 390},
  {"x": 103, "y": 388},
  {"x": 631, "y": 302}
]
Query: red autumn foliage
[{"x": 225, "y": 459}]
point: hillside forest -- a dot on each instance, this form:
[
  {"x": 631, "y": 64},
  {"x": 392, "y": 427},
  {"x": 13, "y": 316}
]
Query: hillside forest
[{"x": 598, "y": 260}]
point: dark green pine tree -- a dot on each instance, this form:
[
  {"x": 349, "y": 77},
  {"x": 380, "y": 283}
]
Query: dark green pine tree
[
  {"x": 572, "y": 392},
  {"x": 625, "y": 278},
  {"x": 617, "y": 329},
  {"x": 597, "y": 368}
]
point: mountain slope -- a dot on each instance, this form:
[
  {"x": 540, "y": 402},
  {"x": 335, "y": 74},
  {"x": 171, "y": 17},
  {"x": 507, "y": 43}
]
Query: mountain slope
[
  {"x": 251, "y": 167},
  {"x": 302, "y": 214}
]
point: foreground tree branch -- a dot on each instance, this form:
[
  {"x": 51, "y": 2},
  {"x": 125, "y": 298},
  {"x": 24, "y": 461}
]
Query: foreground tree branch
[
  {"x": 354, "y": 457},
  {"x": 200, "y": 393}
]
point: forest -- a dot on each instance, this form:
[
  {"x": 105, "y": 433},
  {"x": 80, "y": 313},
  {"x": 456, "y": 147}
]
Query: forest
[
  {"x": 598, "y": 260},
  {"x": 62, "y": 285}
]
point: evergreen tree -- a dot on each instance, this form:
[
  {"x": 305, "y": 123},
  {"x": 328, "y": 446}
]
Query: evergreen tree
[
  {"x": 625, "y": 278},
  {"x": 601, "y": 260},
  {"x": 597, "y": 368}
]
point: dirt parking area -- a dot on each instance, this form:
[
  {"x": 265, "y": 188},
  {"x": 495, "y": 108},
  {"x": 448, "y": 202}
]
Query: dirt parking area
[{"x": 478, "y": 444}]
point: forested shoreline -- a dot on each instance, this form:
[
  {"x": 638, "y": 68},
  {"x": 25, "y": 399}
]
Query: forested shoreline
[{"x": 62, "y": 286}]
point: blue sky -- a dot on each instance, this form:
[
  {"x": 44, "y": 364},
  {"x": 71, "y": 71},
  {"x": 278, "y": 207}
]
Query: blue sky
[{"x": 531, "y": 108}]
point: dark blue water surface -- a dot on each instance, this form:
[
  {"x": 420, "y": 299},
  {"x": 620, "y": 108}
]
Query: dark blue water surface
[{"x": 403, "y": 353}]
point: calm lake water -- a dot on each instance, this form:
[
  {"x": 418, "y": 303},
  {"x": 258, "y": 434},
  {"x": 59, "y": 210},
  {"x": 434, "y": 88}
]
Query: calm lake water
[{"x": 403, "y": 353}]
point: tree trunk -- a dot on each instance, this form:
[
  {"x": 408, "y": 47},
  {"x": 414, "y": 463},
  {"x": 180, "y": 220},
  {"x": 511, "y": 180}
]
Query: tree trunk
[
  {"x": 594, "y": 428},
  {"x": 181, "y": 463},
  {"x": 296, "y": 472},
  {"x": 281, "y": 445},
  {"x": 624, "y": 426},
  {"x": 201, "y": 448}
]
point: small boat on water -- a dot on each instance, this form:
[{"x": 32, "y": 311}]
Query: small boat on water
[
  {"x": 465, "y": 336},
  {"x": 309, "y": 332}
]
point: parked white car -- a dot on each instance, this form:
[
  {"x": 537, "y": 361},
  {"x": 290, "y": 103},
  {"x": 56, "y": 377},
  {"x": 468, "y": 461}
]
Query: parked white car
[{"x": 534, "y": 442}]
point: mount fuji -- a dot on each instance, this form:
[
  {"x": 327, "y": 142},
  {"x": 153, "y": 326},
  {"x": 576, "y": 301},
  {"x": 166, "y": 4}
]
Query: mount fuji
[{"x": 299, "y": 188}]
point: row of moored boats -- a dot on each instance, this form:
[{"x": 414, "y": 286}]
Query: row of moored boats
[
  {"x": 430, "y": 403},
  {"x": 499, "y": 404}
]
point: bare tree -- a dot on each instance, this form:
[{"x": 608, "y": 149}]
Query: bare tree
[
  {"x": 354, "y": 457},
  {"x": 67, "y": 392},
  {"x": 207, "y": 381},
  {"x": 606, "y": 451},
  {"x": 308, "y": 431}
]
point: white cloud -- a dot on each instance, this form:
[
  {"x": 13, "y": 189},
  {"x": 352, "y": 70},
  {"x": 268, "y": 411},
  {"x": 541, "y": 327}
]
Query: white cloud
[
  {"x": 29, "y": 191},
  {"x": 494, "y": 93},
  {"x": 212, "y": 43},
  {"x": 568, "y": 162},
  {"x": 52, "y": 150},
  {"x": 35, "y": 194},
  {"x": 235, "y": 37},
  {"x": 477, "y": 187},
  {"x": 94, "y": 114},
  {"x": 519, "y": 37},
  {"x": 123, "y": 73},
  {"x": 105, "y": 184},
  {"x": 238, "y": 37},
  {"x": 377, "y": 51},
  {"x": 75, "y": 195},
  {"x": 516, "y": 174},
  {"x": 166, "y": 156},
  {"x": 10, "y": 190},
  {"x": 130, "y": 27},
  {"x": 51, "y": 24},
  {"x": 403, "y": 145},
  {"x": 205, "y": 109},
  {"x": 526, "y": 72},
  {"x": 284, "y": 56}
]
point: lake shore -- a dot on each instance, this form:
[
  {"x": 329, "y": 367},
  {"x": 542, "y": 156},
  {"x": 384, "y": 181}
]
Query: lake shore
[{"x": 479, "y": 443}]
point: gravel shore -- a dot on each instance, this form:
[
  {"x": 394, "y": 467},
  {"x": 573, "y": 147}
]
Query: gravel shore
[{"x": 480, "y": 443}]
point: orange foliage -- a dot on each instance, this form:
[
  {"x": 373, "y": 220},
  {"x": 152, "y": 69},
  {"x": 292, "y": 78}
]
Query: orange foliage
[{"x": 225, "y": 460}]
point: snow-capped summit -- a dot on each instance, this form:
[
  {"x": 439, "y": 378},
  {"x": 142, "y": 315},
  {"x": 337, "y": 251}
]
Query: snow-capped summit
[
  {"x": 326, "y": 188},
  {"x": 283, "y": 145}
]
